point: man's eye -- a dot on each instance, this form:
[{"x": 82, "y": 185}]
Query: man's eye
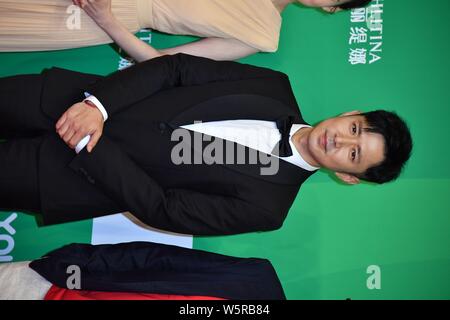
[{"x": 354, "y": 129}]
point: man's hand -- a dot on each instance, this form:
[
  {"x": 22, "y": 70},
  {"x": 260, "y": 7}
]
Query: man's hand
[{"x": 79, "y": 121}]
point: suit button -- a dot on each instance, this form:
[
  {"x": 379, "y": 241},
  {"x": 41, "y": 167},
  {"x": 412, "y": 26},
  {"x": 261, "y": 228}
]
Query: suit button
[
  {"x": 162, "y": 127},
  {"x": 87, "y": 176}
]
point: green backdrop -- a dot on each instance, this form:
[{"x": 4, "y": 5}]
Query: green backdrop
[{"x": 333, "y": 232}]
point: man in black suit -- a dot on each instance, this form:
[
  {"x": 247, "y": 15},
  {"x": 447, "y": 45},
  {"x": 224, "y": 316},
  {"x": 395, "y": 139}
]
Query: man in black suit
[{"x": 130, "y": 163}]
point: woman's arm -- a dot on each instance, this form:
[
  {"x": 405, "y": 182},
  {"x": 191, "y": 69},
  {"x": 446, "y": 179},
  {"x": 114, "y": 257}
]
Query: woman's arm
[
  {"x": 100, "y": 12},
  {"x": 213, "y": 48},
  {"x": 136, "y": 48}
]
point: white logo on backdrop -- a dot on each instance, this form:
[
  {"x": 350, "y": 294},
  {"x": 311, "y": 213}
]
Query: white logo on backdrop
[
  {"x": 6, "y": 225},
  {"x": 366, "y": 34},
  {"x": 374, "y": 280}
]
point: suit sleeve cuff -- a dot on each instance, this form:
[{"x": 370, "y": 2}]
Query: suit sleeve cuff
[{"x": 98, "y": 104}]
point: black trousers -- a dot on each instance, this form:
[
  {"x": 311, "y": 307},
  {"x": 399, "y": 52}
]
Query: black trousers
[{"x": 22, "y": 125}]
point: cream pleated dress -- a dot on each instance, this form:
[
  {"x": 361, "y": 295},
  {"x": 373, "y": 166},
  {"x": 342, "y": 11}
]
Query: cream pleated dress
[{"x": 36, "y": 25}]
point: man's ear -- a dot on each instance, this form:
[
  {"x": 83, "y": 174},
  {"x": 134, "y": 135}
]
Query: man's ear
[
  {"x": 347, "y": 178},
  {"x": 350, "y": 113},
  {"x": 331, "y": 9}
]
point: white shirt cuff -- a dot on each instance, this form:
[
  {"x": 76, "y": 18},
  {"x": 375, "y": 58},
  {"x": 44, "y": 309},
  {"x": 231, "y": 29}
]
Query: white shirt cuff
[
  {"x": 82, "y": 144},
  {"x": 98, "y": 104}
]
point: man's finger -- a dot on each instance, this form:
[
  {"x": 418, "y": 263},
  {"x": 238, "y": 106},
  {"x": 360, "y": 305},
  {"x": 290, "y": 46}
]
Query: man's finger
[
  {"x": 69, "y": 134},
  {"x": 61, "y": 121},
  {"x": 94, "y": 139},
  {"x": 62, "y": 131},
  {"x": 76, "y": 138}
]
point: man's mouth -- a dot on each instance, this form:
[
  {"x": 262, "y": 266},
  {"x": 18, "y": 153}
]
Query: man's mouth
[{"x": 323, "y": 141}]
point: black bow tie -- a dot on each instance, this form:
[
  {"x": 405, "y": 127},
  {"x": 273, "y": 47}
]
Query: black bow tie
[{"x": 283, "y": 148}]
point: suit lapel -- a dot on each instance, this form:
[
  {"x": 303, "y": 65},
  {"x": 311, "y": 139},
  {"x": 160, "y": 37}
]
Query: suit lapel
[
  {"x": 237, "y": 106},
  {"x": 287, "y": 173}
]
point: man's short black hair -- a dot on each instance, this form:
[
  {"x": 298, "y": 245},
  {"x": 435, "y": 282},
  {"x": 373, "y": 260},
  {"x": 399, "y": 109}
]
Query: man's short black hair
[
  {"x": 397, "y": 149},
  {"x": 354, "y": 4}
]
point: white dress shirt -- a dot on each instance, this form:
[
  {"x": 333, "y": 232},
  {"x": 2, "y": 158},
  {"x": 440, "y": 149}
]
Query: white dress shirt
[{"x": 260, "y": 135}]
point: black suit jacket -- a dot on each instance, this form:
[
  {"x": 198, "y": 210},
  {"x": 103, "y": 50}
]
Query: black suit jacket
[
  {"x": 131, "y": 168},
  {"x": 161, "y": 269}
]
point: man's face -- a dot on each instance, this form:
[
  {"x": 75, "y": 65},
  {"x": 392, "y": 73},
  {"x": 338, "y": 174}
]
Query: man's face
[
  {"x": 342, "y": 145},
  {"x": 327, "y": 5}
]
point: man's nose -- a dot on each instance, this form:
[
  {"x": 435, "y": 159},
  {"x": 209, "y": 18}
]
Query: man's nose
[{"x": 341, "y": 141}]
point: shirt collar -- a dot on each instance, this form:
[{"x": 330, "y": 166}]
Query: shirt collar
[{"x": 296, "y": 158}]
